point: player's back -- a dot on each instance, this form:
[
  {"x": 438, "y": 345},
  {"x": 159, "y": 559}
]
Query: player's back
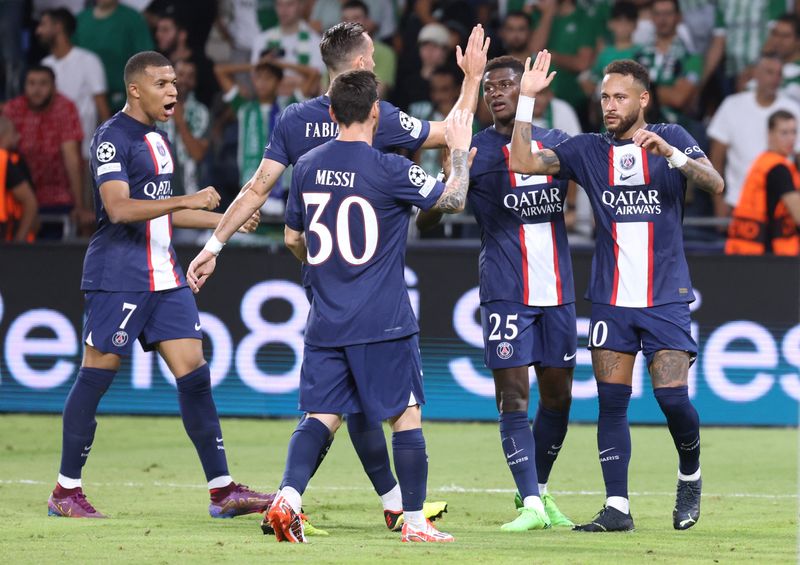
[
  {"x": 307, "y": 125},
  {"x": 354, "y": 205},
  {"x": 524, "y": 249},
  {"x": 136, "y": 256}
]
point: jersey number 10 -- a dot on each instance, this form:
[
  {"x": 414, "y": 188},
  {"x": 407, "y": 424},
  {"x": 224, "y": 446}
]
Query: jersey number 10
[{"x": 343, "y": 242}]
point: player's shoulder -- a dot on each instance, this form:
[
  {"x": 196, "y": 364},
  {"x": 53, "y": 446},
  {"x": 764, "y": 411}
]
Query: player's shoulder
[
  {"x": 393, "y": 116},
  {"x": 668, "y": 131},
  {"x": 550, "y": 137}
]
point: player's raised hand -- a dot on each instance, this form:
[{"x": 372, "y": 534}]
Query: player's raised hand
[
  {"x": 536, "y": 77},
  {"x": 473, "y": 60},
  {"x": 206, "y": 199},
  {"x": 251, "y": 224},
  {"x": 200, "y": 269},
  {"x": 652, "y": 142},
  {"x": 458, "y": 130}
]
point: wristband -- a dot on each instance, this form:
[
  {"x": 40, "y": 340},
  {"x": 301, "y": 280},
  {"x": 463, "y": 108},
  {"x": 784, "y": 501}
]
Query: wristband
[
  {"x": 440, "y": 176},
  {"x": 213, "y": 245},
  {"x": 525, "y": 109},
  {"x": 678, "y": 158}
]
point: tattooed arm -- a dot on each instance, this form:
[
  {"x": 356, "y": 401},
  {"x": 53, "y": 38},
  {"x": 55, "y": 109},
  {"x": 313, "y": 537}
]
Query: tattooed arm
[
  {"x": 700, "y": 172},
  {"x": 454, "y": 197},
  {"x": 252, "y": 196},
  {"x": 544, "y": 162},
  {"x": 703, "y": 175}
]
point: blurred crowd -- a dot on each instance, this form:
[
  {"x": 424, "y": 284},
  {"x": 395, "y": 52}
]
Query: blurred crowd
[{"x": 720, "y": 68}]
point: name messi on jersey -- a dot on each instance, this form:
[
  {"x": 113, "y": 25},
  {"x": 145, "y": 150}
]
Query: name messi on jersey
[
  {"x": 322, "y": 129},
  {"x": 335, "y": 178},
  {"x": 633, "y": 202},
  {"x": 534, "y": 202},
  {"x": 158, "y": 191}
]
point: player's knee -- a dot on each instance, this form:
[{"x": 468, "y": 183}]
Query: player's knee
[
  {"x": 557, "y": 400},
  {"x": 512, "y": 400},
  {"x": 672, "y": 399},
  {"x": 331, "y": 421},
  {"x": 613, "y": 398}
]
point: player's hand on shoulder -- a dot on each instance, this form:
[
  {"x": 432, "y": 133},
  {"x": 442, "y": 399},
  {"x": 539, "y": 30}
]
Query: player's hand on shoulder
[
  {"x": 473, "y": 60},
  {"x": 200, "y": 269},
  {"x": 458, "y": 130},
  {"x": 652, "y": 142},
  {"x": 206, "y": 199},
  {"x": 536, "y": 77},
  {"x": 251, "y": 224}
]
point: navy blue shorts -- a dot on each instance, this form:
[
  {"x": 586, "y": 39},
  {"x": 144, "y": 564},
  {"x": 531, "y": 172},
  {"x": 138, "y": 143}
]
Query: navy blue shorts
[
  {"x": 113, "y": 320},
  {"x": 378, "y": 379},
  {"x": 517, "y": 335},
  {"x": 648, "y": 330}
]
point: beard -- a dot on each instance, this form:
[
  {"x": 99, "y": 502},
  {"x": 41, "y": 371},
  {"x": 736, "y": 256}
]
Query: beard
[{"x": 623, "y": 125}]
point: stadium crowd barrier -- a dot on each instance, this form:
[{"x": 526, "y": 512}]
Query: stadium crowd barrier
[{"x": 746, "y": 321}]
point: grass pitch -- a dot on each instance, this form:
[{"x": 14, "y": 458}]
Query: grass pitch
[{"x": 144, "y": 473}]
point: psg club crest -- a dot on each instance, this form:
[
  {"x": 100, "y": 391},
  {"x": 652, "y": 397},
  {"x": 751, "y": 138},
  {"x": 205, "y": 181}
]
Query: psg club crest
[
  {"x": 120, "y": 338},
  {"x": 505, "y": 350},
  {"x": 161, "y": 150},
  {"x": 627, "y": 161}
]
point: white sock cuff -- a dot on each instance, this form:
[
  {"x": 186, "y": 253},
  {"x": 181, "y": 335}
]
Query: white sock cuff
[
  {"x": 220, "y": 482},
  {"x": 415, "y": 519},
  {"x": 392, "y": 500},
  {"x": 294, "y": 498},
  {"x": 542, "y": 489},
  {"x": 533, "y": 502},
  {"x": 620, "y": 503},
  {"x": 66, "y": 482},
  {"x": 693, "y": 477}
]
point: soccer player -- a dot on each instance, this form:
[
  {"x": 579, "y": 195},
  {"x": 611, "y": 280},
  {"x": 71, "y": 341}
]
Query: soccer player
[
  {"x": 135, "y": 289},
  {"x": 527, "y": 296},
  {"x": 361, "y": 350},
  {"x": 635, "y": 176},
  {"x": 302, "y": 127}
]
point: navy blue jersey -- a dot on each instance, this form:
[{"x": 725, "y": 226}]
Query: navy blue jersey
[
  {"x": 136, "y": 256},
  {"x": 638, "y": 210},
  {"x": 302, "y": 127},
  {"x": 524, "y": 251},
  {"x": 354, "y": 203}
]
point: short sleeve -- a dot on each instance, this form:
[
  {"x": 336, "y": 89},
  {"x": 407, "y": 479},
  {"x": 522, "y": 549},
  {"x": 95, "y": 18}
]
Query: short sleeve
[
  {"x": 277, "y": 149},
  {"x": 294, "y": 203},
  {"x": 398, "y": 129},
  {"x": 96, "y": 74},
  {"x": 720, "y": 126},
  {"x": 569, "y": 154},
  {"x": 682, "y": 139},
  {"x": 779, "y": 182},
  {"x": 15, "y": 173},
  {"x": 409, "y": 183},
  {"x": 108, "y": 158}
]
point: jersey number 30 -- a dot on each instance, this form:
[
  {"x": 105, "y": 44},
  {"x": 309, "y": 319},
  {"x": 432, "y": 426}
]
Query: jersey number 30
[{"x": 343, "y": 243}]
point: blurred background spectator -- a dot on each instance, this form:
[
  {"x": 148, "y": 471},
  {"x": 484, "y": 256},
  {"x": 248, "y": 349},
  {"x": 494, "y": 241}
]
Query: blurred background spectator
[
  {"x": 720, "y": 68},
  {"x": 49, "y": 140}
]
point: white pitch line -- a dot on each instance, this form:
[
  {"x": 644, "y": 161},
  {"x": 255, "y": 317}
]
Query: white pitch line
[{"x": 443, "y": 489}]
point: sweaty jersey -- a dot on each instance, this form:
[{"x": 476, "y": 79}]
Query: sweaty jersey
[
  {"x": 302, "y": 127},
  {"x": 354, "y": 203},
  {"x": 524, "y": 254},
  {"x": 137, "y": 256},
  {"x": 637, "y": 202}
]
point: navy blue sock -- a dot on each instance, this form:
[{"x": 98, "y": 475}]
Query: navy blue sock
[
  {"x": 201, "y": 421},
  {"x": 519, "y": 450},
  {"x": 370, "y": 444},
  {"x": 78, "y": 420},
  {"x": 614, "y": 436},
  {"x": 549, "y": 431},
  {"x": 307, "y": 442},
  {"x": 684, "y": 425},
  {"x": 411, "y": 464},
  {"x": 323, "y": 452}
]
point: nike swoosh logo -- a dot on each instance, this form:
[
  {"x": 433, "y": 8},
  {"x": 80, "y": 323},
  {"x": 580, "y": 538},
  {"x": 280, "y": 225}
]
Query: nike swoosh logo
[
  {"x": 525, "y": 177},
  {"x": 510, "y": 455},
  {"x": 556, "y": 447},
  {"x": 219, "y": 439},
  {"x": 87, "y": 447},
  {"x": 570, "y": 357},
  {"x": 605, "y": 450},
  {"x": 164, "y": 164},
  {"x": 197, "y": 327},
  {"x": 626, "y": 177}
]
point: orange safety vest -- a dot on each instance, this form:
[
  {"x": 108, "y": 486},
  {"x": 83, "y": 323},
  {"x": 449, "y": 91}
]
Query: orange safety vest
[
  {"x": 751, "y": 231},
  {"x": 10, "y": 210}
]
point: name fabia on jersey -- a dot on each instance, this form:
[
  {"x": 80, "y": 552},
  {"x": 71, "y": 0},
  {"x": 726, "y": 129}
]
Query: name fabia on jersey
[
  {"x": 632, "y": 202},
  {"x": 534, "y": 202}
]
